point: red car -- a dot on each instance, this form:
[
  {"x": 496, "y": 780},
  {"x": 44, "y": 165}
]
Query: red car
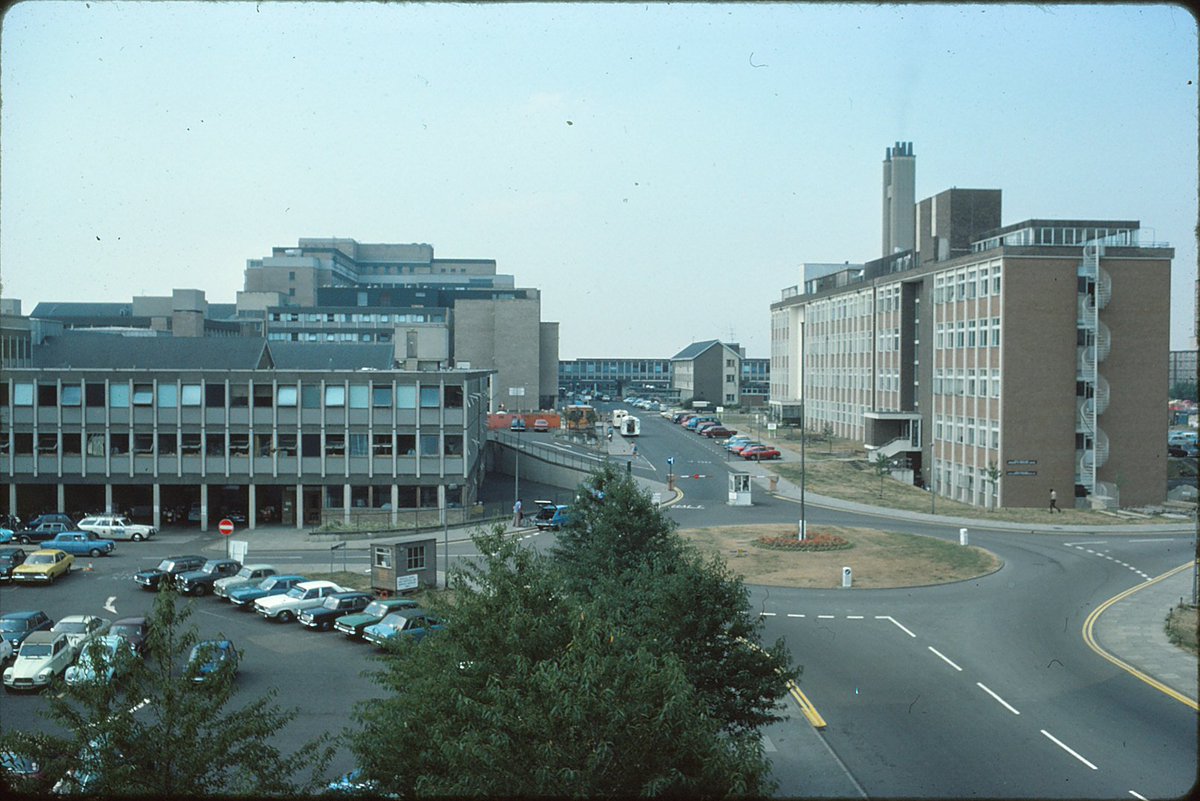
[
  {"x": 752, "y": 444},
  {"x": 718, "y": 431},
  {"x": 760, "y": 452}
]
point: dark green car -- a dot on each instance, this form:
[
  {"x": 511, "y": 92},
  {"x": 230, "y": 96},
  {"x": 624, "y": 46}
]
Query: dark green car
[{"x": 353, "y": 625}]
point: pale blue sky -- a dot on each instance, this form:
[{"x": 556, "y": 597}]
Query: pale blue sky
[{"x": 658, "y": 171}]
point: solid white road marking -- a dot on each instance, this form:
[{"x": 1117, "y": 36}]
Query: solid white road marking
[
  {"x": 1166, "y": 539},
  {"x": 944, "y": 658},
  {"x": 1090, "y": 542},
  {"x": 1064, "y": 747},
  {"x": 1006, "y": 704},
  {"x": 1135, "y": 795},
  {"x": 109, "y": 604},
  {"x": 897, "y": 622}
]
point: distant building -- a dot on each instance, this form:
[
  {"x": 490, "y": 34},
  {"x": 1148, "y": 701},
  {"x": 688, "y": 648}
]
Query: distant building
[
  {"x": 708, "y": 371},
  {"x": 615, "y": 377},
  {"x": 992, "y": 363},
  {"x": 1181, "y": 367}
]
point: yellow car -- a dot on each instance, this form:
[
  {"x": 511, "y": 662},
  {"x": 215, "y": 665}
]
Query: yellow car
[{"x": 43, "y": 567}]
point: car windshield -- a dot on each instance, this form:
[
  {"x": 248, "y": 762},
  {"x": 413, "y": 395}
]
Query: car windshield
[
  {"x": 209, "y": 566},
  {"x": 41, "y": 559},
  {"x": 125, "y": 630},
  {"x": 165, "y": 565},
  {"x": 245, "y": 572},
  {"x": 395, "y": 621},
  {"x": 121, "y": 521},
  {"x": 331, "y": 602},
  {"x": 35, "y": 649},
  {"x": 377, "y": 608},
  {"x": 6, "y": 558},
  {"x": 71, "y": 626},
  {"x": 296, "y": 592},
  {"x": 13, "y": 625}
]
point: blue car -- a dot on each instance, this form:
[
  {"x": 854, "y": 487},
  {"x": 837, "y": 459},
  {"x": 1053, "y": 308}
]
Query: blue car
[
  {"x": 414, "y": 623},
  {"x": 244, "y": 597},
  {"x": 16, "y": 626},
  {"x": 210, "y": 656},
  {"x": 551, "y": 515}
]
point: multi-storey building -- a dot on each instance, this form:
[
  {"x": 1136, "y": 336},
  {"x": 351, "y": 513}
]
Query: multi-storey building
[
  {"x": 708, "y": 371},
  {"x": 279, "y": 431},
  {"x": 993, "y": 364},
  {"x": 615, "y": 377}
]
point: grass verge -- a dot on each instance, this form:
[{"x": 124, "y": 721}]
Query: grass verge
[{"x": 1181, "y": 627}]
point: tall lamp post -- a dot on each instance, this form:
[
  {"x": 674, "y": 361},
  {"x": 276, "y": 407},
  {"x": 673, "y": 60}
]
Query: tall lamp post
[{"x": 803, "y": 436}]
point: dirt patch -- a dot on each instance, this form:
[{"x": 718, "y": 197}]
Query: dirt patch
[
  {"x": 879, "y": 559},
  {"x": 1181, "y": 628}
]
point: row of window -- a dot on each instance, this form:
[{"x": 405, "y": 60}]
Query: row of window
[
  {"x": 193, "y": 443},
  {"x": 215, "y": 396},
  {"x": 967, "y": 334},
  {"x": 967, "y": 431},
  {"x": 615, "y": 367},
  {"x": 354, "y": 317},
  {"x": 968, "y": 382},
  {"x": 967, "y": 283},
  {"x": 341, "y": 336}
]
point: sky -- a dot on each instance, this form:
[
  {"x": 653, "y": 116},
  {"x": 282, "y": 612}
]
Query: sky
[{"x": 660, "y": 171}]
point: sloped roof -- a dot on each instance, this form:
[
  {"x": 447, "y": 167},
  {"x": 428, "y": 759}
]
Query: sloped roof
[
  {"x": 56, "y": 310},
  {"x": 91, "y": 350},
  {"x": 695, "y": 349},
  {"x": 331, "y": 355}
]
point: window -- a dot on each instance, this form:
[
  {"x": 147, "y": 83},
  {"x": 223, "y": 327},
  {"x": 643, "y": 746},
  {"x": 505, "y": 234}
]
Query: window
[
  {"x": 143, "y": 444},
  {"x": 143, "y": 394},
  {"x": 406, "y": 444},
  {"x": 118, "y": 444},
  {"x": 335, "y": 444},
  {"x": 189, "y": 395},
  {"x": 381, "y": 395},
  {"x": 285, "y": 396},
  {"x": 93, "y": 395},
  {"x": 47, "y": 443},
  {"x": 381, "y": 556},
  {"x": 454, "y": 397},
  {"x": 453, "y": 445},
  {"x": 118, "y": 396},
  {"x": 71, "y": 444},
  {"x": 23, "y": 444},
  {"x": 429, "y": 444},
  {"x": 190, "y": 443},
  {"x": 72, "y": 395},
  {"x": 335, "y": 396},
  {"x": 263, "y": 395},
  {"x": 431, "y": 397},
  {"x": 310, "y": 445},
  {"x": 310, "y": 396},
  {"x": 214, "y": 444},
  {"x": 359, "y": 444},
  {"x": 239, "y": 396},
  {"x": 285, "y": 444},
  {"x": 166, "y": 444},
  {"x": 359, "y": 395},
  {"x": 414, "y": 557},
  {"x": 168, "y": 396},
  {"x": 214, "y": 396},
  {"x": 47, "y": 395},
  {"x": 382, "y": 444}
]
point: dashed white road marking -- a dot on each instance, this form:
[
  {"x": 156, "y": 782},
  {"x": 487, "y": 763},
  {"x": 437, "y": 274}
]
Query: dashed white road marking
[
  {"x": 792, "y": 614},
  {"x": 854, "y": 617},
  {"x": 1089, "y": 542},
  {"x": 766, "y": 614},
  {"x": 1164, "y": 539},
  {"x": 944, "y": 658},
  {"x": 897, "y": 622},
  {"x": 825, "y": 617},
  {"x": 1006, "y": 704},
  {"x": 1066, "y": 748}
]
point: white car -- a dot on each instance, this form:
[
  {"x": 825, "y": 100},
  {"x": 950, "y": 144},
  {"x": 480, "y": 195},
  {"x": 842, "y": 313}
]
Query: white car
[
  {"x": 80, "y": 629},
  {"x": 43, "y": 655},
  {"x": 6, "y": 651},
  {"x": 116, "y": 527},
  {"x": 249, "y": 574},
  {"x": 305, "y": 595}
]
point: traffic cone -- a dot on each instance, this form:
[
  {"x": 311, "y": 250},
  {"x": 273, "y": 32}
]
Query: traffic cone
[{"x": 89, "y": 568}]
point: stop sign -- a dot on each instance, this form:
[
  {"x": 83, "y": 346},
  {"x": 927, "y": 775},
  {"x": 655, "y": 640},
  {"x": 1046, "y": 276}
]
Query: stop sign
[{"x": 225, "y": 527}]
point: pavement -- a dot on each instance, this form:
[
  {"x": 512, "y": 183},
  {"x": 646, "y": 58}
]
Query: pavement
[{"x": 1129, "y": 629}]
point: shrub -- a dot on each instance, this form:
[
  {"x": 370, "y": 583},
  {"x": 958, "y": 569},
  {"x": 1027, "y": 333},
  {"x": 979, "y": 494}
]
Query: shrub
[{"x": 814, "y": 542}]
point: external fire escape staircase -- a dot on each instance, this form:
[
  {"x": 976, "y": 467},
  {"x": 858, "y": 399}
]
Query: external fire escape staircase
[{"x": 1095, "y": 291}]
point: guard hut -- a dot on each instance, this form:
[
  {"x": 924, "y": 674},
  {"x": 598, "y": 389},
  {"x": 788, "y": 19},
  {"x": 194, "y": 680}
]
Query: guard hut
[
  {"x": 739, "y": 489},
  {"x": 403, "y": 565}
]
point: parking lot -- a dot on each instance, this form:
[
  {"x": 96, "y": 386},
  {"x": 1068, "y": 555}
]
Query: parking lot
[{"x": 319, "y": 673}]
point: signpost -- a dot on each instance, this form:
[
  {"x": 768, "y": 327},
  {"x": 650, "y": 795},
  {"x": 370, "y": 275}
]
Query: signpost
[{"x": 226, "y": 529}]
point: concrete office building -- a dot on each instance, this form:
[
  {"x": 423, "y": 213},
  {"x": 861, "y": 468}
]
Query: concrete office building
[
  {"x": 992, "y": 363},
  {"x": 708, "y": 371},
  {"x": 615, "y": 377},
  {"x": 288, "y": 432}
]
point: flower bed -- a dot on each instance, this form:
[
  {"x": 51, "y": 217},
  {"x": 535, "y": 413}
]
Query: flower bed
[{"x": 814, "y": 542}]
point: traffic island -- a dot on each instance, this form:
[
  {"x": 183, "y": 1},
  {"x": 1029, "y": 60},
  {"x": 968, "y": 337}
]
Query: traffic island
[{"x": 880, "y": 559}]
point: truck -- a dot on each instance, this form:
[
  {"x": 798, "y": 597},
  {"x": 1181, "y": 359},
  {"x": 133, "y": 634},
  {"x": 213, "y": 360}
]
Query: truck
[{"x": 80, "y": 543}]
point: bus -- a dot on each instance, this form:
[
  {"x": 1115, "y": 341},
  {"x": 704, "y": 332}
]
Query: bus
[{"x": 580, "y": 417}]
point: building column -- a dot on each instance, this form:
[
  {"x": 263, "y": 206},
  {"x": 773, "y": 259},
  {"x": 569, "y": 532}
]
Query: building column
[
  {"x": 346, "y": 504},
  {"x": 108, "y": 499},
  {"x": 12, "y": 498},
  {"x": 395, "y": 504},
  {"x": 252, "y": 512},
  {"x": 299, "y": 507},
  {"x": 62, "y": 498},
  {"x": 156, "y": 490},
  {"x": 204, "y": 507}
]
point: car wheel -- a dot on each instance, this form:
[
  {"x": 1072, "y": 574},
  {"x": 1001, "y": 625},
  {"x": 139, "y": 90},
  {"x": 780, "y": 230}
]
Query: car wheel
[
  {"x": 95, "y": 553},
  {"x": 23, "y": 540},
  {"x": 202, "y": 590},
  {"x": 286, "y": 616},
  {"x": 136, "y": 538}
]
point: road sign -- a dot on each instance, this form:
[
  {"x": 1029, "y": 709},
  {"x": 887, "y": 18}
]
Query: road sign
[{"x": 225, "y": 527}]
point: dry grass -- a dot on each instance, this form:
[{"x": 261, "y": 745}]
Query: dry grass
[
  {"x": 839, "y": 468},
  {"x": 879, "y": 559},
  {"x": 1181, "y": 628}
]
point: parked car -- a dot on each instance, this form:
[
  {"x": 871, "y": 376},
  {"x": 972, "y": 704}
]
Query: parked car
[
  {"x": 334, "y": 606},
  {"x": 10, "y": 558},
  {"x": 43, "y": 567},
  {"x": 758, "y": 453},
  {"x": 168, "y": 568},
  {"x": 16, "y": 626},
  {"x": 99, "y": 660},
  {"x": 541, "y": 426},
  {"x": 518, "y": 424},
  {"x": 80, "y": 543},
  {"x": 244, "y": 597},
  {"x": 6, "y": 535},
  {"x": 414, "y": 623},
  {"x": 1176, "y": 450},
  {"x": 117, "y": 527},
  {"x": 80, "y": 629},
  {"x": 42, "y": 532},
  {"x": 707, "y": 424},
  {"x": 551, "y": 515},
  {"x": 200, "y": 582},
  {"x": 7, "y": 651},
  {"x": 133, "y": 630},
  {"x": 52, "y": 517},
  {"x": 305, "y": 595},
  {"x": 249, "y": 574},
  {"x": 377, "y": 610},
  {"x": 750, "y": 443},
  {"x": 43, "y": 656},
  {"x": 210, "y": 656},
  {"x": 718, "y": 432}
]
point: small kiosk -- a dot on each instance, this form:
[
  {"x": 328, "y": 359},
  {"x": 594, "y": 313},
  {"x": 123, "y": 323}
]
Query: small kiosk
[
  {"x": 739, "y": 489},
  {"x": 403, "y": 565}
]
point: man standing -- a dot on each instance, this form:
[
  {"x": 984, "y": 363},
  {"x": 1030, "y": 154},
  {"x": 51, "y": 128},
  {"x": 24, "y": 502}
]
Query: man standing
[
  {"x": 517, "y": 514},
  {"x": 1054, "y": 502}
]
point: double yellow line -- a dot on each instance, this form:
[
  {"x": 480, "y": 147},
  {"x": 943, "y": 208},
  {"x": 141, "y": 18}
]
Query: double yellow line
[
  {"x": 1090, "y": 639},
  {"x": 809, "y": 711}
]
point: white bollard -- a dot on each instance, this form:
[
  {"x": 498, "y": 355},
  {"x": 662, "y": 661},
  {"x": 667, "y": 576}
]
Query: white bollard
[
  {"x": 962, "y": 536},
  {"x": 847, "y": 578},
  {"x": 802, "y": 530}
]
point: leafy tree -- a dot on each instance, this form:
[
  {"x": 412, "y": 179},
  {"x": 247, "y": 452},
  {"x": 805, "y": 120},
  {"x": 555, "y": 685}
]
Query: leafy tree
[
  {"x": 1184, "y": 390},
  {"x": 535, "y": 691},
  {"x": 882, "y": 466},
  {"x": 827, "y": 433},
  {"x": 154, "y": 731},
  {"x": 994, "y": 473}
]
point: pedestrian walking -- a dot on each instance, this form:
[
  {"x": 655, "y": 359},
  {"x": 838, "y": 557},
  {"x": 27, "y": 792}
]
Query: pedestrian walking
[
  {"x": 1054, "y": 503},
  {"x": 517, "y": 514}
]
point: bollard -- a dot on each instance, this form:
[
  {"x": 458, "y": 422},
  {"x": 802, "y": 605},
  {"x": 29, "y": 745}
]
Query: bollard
[
  {"x": 847, "y": 578},
  {"x": 962, "y": 536},
  {"x": 802, "y": 530}
]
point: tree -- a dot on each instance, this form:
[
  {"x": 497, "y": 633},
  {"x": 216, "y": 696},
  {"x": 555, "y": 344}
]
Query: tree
[
  {"x": 154, "y": 731},
  {"x": 533, "y": 690},
  {"x": 994, "y": 473},
  {"x": 827, "y": 433},
  {"x": 883, "y": 466}
]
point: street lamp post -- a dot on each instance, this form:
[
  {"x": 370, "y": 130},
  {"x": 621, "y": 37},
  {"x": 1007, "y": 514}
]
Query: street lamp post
[{"x": 803, "y": 436}]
